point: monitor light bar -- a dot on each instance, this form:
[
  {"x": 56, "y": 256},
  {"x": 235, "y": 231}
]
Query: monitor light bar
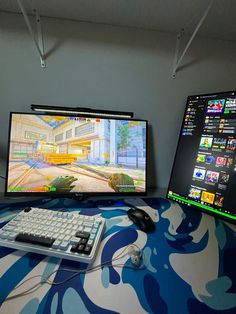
[{"x": 82, "y": 111}]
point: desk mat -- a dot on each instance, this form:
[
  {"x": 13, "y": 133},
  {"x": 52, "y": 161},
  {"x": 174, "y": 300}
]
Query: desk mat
[{"x": 190, "y": 264}]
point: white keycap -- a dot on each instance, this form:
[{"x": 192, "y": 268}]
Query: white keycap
[
  {"x": 87, "y": 229},
  {"x": 87, "y": 224},
  {"x": 8, "y": 228},
  {"x": 12, "y": 235},
  {"x": 5, "y": 235},
  {"x": 90, "y": 242},
  {"x": 75, "y": 240},
  {"x": 64, "y": 245},
  {"x": 12, "y": 223},
  {"x": 56, "y": 244}
]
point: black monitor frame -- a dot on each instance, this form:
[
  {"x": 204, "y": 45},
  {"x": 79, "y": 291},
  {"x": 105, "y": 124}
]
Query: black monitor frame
[
  {"x": 212, "y": 212},
  {"x": 77, "y": 195}
]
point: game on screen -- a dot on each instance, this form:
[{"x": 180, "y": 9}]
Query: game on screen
[
  {"x": 204, "y": 172},
  {"x": 63, "y": 154}
]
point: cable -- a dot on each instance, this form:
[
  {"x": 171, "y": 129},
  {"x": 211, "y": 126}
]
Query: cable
[
  {"x": 75, "y": 273},
  {"x": 53, "y": 283},
  {"x": 2, "y": 177},
  {"x": 94, "y": 268},
  {"x": 30, "y": 290}
]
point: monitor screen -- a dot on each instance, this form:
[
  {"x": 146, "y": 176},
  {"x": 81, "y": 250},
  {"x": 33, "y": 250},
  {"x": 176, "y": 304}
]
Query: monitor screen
[
  {"x": 204, "y": 170},
  {"x": 60, "y": 155}
]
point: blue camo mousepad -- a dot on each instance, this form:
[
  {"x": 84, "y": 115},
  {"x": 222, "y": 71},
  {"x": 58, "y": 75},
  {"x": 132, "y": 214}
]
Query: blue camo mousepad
[{"x": 189, "y": 264}]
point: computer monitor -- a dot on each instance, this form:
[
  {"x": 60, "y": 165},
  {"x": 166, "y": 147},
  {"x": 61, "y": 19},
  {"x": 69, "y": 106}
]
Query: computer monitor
[
  {"x": 204, "y": 169},
  {"x": 66, "y": 155}
]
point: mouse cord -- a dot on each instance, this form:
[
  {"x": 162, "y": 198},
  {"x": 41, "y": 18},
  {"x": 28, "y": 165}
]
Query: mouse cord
[
  {"x": 75, "y": 273},
  {"x": 92, "y": 268}
]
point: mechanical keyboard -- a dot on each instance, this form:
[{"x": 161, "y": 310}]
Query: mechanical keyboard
[{"x": 56, "y": 233}]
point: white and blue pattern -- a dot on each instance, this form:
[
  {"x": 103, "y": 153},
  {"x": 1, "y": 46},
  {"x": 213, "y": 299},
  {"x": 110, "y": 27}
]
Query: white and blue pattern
[{"x": 190, "y": 266}]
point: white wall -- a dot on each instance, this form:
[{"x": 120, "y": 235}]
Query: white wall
[{"x": 111, "y": 68}]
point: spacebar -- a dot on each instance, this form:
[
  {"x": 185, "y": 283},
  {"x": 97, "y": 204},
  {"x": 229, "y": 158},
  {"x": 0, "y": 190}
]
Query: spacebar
[{"x": 30, "y": 238}]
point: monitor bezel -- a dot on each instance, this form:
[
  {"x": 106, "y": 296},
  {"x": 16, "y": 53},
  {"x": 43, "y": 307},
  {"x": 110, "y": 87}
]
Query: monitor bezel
[
  {"x": 79, "y": 195},
  {"x": 214, "y": 212}
]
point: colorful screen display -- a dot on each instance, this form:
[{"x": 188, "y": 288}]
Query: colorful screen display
[
  {"x": 204, "y": 170},
  {"x": 68, "y": 154}
]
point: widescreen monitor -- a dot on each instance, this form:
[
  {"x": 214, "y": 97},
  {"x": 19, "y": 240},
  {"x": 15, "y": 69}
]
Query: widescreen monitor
[
  {"x": 204, "y": 170},
  {"x": 75, "y": 155}
]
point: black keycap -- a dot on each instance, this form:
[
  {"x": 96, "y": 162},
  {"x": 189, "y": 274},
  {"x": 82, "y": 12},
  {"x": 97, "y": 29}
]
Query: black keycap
[
  {"x": 83, "y": 235},
  {"x": 83, "y": 241},
  {"x": 88, "y": 249},
  {"x": 30, "y": 238},
  {"x": 27, "y": 209},
  {"x": 74, "y": 248},
  {"x": 80, "y": 248}
]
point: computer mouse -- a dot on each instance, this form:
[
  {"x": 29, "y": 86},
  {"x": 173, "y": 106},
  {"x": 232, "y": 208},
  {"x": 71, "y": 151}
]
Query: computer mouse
[{"x": 141, "y": 219}]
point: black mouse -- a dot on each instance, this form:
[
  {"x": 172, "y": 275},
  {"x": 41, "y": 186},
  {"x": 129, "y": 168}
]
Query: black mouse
[{"x": 141, "y": 219}]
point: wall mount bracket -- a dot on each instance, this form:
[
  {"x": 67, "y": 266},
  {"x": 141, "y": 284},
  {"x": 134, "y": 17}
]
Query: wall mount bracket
[
  {"x": 36, "y": 36},
  {"x": 178, "y": 59}
]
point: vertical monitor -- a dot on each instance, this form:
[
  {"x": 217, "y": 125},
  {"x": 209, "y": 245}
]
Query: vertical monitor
[
  {"x": 66, "y": 155},
  {"x": 204, "y": 170}
]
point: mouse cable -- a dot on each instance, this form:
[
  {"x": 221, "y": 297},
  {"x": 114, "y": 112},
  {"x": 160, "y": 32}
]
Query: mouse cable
[
  {"x": 81, "y": 270},
  {"x": 75, "y": 273}
]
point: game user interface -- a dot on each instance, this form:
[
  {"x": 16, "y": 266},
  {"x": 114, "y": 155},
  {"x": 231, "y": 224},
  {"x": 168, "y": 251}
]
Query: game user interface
[
  {"x": 204, "y": 170},
  {"x": 68, "y": 154}
]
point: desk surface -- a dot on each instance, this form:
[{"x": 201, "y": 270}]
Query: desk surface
[{"x": 190, "y": 265}]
